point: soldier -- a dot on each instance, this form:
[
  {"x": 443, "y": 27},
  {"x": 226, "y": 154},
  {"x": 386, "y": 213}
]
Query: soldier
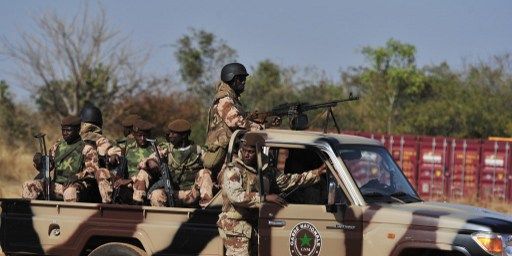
[
  {"x": 74, "y": 168},
  {"x": 139, "y": 177},
  {"x": 226, "y": 115},
  {"x": 127, "y": 124},
  {"x": 241, "y": 199},
  {"x": 192, "y": 182}
]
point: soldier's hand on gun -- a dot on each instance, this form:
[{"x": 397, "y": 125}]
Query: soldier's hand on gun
[
  {"x": 322, "y": 169},
  {"x": 38, "y": 161},
  {"x": 122, "y": 182},
  {"x": 113, "y": 160},
  {"x": 152, "y": 165},
  {"x": 276, "y": 199}
]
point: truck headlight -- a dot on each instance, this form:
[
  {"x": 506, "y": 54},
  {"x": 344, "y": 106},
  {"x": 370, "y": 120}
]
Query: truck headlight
[{"x": 495, "y": 244}]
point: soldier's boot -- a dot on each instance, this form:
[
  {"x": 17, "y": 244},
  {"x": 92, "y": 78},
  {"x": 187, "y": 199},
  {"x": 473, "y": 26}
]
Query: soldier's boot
[
  {"x": 205, "y": 184},
  {"x": 32, "y": 189},
  {"x": 158, "y": 198}
]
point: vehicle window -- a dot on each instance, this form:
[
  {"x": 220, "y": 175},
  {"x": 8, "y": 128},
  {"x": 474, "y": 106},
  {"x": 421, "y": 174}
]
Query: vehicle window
[
  {"x": 376, "y": 174},
  {"x": 295, "y": 161}
]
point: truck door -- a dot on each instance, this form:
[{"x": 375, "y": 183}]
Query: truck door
[{"x": 318, "y": 220}]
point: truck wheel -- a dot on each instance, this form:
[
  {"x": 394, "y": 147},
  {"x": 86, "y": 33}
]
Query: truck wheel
[{"x": 118, "y": 249}]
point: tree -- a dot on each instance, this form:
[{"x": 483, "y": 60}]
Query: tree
[
  {"x": 390, "y": 83},
  {"x": 15, "y": 121},
  {"x": 266, "y": 87},
  {"x": 66, "y": 63},
  {"x": 201, "y": 56}
]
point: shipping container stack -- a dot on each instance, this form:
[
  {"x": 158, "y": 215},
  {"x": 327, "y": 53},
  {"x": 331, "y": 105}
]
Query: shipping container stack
[
  {"x": 463, "y": 168},
  {"x": 495, "y": 170},
  {"x": 433, "y": 152},
  {"x": 404, "y": 149}
]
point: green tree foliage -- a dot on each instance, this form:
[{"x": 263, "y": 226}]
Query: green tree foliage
[
  {"x": 15, "y": 120},
  {"x": 391, "y": 84},
  {"x": 266, "y": 87},
  {"x": 201, "y": 55}
]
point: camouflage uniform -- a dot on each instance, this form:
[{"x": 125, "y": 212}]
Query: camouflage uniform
[
  {"x": 73, "y": 164},
  {"x": 225, "y": 116},
  {"x": 105, "y": 148},
  {"x": 241, "y": 200},
  {"x": 192, "y": 181},
  {"x": 136, "y": 171}
]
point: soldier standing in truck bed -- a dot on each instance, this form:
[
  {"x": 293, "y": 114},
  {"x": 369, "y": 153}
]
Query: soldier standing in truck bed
[
  {"x": 226, "y": 115},
  {"x": 241, "y": 196},
  {"x": 192, "y": 182},
  {"x": 73, "y": 165}
]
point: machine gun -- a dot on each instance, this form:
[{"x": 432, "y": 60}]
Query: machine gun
[
  {"x": 166, "y": 179},
  {"x": 44, "y": 166},
  {"x": 121, "y": 170},
  {"x": 296, "y": 113}
]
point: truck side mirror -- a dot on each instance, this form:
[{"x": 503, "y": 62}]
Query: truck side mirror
[{"x": 331, "y": 196}]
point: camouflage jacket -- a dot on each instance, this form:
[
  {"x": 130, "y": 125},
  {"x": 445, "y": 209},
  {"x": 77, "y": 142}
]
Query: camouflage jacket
[
  {"x": 184, "y": 163},
  {"x": 225, "y": 116},
  {"x": 240, "y": 186},
  {"x": 135, "y": 155},
  {"x": 92, "y": 132},
  {"x": 73, "y": 161}
]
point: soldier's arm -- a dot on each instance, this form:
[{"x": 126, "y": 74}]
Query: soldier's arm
[
  {"x": 289, "y": 181},
  {"x": 232, "y": 186},
  {"x": 232, "y": 117},
  {"x": 90, "y": 155}
]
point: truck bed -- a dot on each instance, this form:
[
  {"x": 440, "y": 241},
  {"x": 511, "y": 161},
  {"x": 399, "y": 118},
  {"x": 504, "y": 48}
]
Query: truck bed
[{"x": 60, "y": 228}]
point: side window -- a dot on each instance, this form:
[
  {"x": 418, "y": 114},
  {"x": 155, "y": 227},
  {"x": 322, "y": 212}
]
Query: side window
[{"x": 292, "y": 161}]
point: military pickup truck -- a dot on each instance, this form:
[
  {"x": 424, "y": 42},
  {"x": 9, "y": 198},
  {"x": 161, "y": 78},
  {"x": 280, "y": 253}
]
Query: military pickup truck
[{"x": 363, "y": 206}]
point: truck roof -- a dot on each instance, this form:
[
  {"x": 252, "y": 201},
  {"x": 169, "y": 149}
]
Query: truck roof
[{"x": 311, "y": 137}]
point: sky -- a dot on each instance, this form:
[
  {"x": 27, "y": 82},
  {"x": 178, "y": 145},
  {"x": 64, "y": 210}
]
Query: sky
[{"x": 328, "y": 35}]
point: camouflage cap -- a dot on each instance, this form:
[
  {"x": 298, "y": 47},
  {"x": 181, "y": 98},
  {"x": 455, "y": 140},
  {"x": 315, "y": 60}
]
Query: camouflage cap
[
  {"x": 142, "y": 125},
  {"x": 70, "y": 121},
  {"x": 129, "y": 120},
  {"x": 253, "y": 139},
  {"x": 179, "y": 125}
]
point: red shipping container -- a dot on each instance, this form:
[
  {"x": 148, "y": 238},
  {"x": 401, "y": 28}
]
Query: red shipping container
[
  {"x": 404, "y": 149},
  {"x": 433, "y": 152},
  {"x": 374, "y": 136},
  {"x": 463, "y": 167},
  {"x": 495, "y": 162}
]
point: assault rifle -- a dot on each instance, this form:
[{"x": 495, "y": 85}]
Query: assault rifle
[
  {"x": 44, "y": 166},
  {"x": 166, "y": 179},
  {"x": 121, "y": 170},
  {"x": 296, "y": 113}
]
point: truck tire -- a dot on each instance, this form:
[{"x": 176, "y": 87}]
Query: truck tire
[{"x": 118, "y": 249}]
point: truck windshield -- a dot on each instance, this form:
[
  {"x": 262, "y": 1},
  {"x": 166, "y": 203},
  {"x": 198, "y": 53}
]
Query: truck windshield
[{"x": 376, "y": 174}]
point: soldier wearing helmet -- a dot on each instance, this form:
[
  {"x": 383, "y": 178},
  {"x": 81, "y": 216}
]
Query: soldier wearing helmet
[
  {"x": 91, "y": 131},
  {"x": 192, "y": 182},
  {"x": 226, "y": 115},
  {"x": 73, "y": 165},
  {"x": 241, "y": 194}
]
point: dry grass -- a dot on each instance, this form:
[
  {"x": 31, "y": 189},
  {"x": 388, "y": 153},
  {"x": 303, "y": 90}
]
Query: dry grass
[{"x": 15, "y": 167}]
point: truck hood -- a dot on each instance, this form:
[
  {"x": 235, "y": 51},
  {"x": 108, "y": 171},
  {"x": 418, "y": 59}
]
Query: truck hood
[{"x": 439, "y": 215}]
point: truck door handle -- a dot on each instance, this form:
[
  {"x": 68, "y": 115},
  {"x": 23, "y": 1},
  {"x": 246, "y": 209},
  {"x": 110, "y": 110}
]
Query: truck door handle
[{"x": 276, "y": 223}]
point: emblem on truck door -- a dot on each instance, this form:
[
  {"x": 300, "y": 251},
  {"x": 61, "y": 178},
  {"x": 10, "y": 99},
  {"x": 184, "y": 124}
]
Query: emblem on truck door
[{"x": 305, "y": 240}]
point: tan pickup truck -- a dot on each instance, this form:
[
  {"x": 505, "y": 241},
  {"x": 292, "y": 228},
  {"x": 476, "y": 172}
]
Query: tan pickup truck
[{"x": 363, "y": 206}]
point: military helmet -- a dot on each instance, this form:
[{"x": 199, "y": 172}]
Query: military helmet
[
  {"x": 91, "y": 114},
  {"x": 231, "y": 70}
]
